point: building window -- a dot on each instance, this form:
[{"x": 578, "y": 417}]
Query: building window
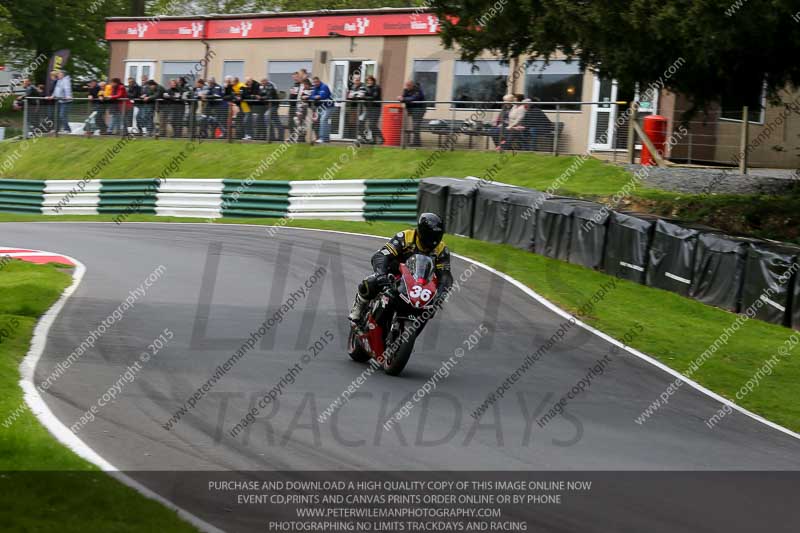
[
  {"x": 280, "y": 73},
  {"x": 556, "y": 81},
  {"x": 752, "y": 95},
  {"x": 172, "y": 70},
  {"x": 426, "y": 74},
  {"x": 480, "y": 81},
  {"x": 233, "y": 68}
]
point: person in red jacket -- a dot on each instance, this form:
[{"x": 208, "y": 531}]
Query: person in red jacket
[{"x": 118, "y": 100}]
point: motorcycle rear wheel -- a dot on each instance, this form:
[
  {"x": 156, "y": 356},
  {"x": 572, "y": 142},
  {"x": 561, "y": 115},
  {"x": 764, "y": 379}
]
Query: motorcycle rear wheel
[{"x": 354, "y": 348}]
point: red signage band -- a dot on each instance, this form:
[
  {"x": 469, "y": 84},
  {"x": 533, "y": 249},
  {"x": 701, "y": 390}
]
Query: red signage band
[{"x": 275, "y": 27}]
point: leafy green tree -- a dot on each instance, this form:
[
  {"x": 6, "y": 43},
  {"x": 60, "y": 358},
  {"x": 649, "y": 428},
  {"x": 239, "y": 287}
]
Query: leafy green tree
[
  {"x": 42, "y": 27},
  {"x": 727, "y": 47}
]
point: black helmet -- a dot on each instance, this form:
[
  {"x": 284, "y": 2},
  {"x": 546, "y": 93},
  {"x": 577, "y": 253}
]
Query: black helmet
[{"x": 430, "y": 230}]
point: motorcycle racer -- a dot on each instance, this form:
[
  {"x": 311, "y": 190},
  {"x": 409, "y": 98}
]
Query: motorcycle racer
[{"x": 426, "y": 239}]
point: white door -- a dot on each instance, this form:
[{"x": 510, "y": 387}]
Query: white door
[
  {"x": 338, "y": 87},
  {"x": 137, "y": 69},
  {"x": 602, "y": 132}
]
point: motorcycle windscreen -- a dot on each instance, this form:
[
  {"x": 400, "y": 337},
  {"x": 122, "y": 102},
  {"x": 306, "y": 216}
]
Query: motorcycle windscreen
[{"x": 421, "y": 267}]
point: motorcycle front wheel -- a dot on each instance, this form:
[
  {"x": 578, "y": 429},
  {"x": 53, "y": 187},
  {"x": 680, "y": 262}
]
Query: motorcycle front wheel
[
  {"x": 354, "y": 348},
  {"x": 395, "y": 362}
]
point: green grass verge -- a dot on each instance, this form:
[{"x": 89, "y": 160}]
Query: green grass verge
[
  {"x": 71, "y": 158},
  {"x": 775, "y": 217},
  {"x": 43, "y": 485},
  {"x": 676, "y": 330}
]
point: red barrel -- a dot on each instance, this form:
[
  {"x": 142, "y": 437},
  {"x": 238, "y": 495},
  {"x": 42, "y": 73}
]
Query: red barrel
[
  {"x": 655, "y": 127},
  {"x": 392, "y": 127}
]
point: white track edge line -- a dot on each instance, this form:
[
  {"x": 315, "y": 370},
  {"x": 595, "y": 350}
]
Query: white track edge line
[
  {"x": 59, "y": 430},
  {"x": 530, "y": 292}
]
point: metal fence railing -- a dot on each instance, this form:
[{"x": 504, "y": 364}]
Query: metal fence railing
[
  {"x": 526, "y": 126},
  {"x": 545, "y": 127}
]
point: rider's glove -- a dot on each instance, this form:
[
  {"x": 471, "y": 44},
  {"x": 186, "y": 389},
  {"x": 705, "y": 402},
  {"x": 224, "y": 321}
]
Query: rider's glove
[{"x": 383, "y": 281}]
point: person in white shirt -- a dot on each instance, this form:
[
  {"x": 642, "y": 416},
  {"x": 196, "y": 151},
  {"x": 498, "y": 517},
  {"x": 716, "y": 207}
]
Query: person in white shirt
[{"x": 62, "y": 93}]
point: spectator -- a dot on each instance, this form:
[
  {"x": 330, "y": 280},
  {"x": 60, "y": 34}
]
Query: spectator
[
  {"x": 498, "y": 131},
  {"x": 268, "y": 94},
  {"x": 29, "y": 91},
  {"x": 150, "y": 93},
  {"x": 373, "y": 96},
  {"x": 173, "y": 108},
  {"x": 116, "y": 99},
  {"x": 133, "y": 106},
  {"x": 200, "y": 127},
  {"x": 62, "y": 94},
  {"x": 303, "y": 105},
  {"x": 516, "y": 123},
  {"x": 96, "y": 123},
  {"x": 537, "y": 123},
  {"x": 248, "y": 92},
  {"x": 356, "y": 114},
  {"x": 217, "y": 108},
  {"x": 321, "y": 97},
  {"x": 294, "y": 94},
  {"x": 413, "y": 97}
]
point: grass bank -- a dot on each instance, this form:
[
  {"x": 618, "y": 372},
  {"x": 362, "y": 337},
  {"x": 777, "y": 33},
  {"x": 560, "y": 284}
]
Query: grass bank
[
  {"x": 775, "y": 217},
  {"x": 676, "y": 334},
  {"x": 44, "y": 486}
]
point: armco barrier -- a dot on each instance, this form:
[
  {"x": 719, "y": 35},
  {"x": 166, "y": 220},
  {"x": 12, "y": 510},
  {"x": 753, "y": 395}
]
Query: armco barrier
[
  {"x": 729, "y": 272},
  {"x": 392, "y": 200}
]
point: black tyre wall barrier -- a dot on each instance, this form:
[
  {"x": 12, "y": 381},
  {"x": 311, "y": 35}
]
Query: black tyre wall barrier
[
  {"x": 627, "y": 244},
  {"x": 490, "y": 218},
  {"x": 432, "y": 196},
  {"x": 460, "y": 207},
  {"x": 672, "y": 255},
  {"x": 719, "y": 270},
  {"x": 588, "y": 242},
  {"x": 767, "y": 277},
  {"x": 522, "y": 205},
  {"x": 689, "y": 259},
  {"x": 554, "y": 226}
]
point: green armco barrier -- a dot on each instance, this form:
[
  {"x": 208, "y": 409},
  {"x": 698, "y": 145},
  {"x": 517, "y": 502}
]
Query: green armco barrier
[
  {"x": 247, "y": 213},
  {"x": 133, "y": 185},
  {"x": 19, "y": 208},
  {"x": 21, "y": 198},
  {"x": 22, "y": 185}
]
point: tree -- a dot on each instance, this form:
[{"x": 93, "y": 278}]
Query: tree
[
  {"x": 206, "y": 7},
  {"x": 726, "y": 47},
  {"x": 43, "y": 27}
]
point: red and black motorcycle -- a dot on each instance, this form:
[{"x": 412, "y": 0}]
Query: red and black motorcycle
[{"x": 395, "y": 318}]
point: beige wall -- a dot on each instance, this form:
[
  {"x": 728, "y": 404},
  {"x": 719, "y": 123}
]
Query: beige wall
[
  {"x": 779, "y": 141},
  {"x": 395, "y": 57}
]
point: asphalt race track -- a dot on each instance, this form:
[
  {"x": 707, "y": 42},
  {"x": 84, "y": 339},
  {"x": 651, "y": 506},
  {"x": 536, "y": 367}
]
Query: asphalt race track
[{"x": 221, "y": 282}]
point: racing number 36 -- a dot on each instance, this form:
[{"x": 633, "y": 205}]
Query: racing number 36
[{"x": 418, "y": 292}]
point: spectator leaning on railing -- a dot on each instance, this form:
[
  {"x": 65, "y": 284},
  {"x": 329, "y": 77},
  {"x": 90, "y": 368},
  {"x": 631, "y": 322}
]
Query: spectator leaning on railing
[
  {"x": 321, "y": 96},
  {"x": 134, "y": 93},
  {"x": 373, "y": 96},
  {"x": 117, "y": 100},
  {"x": 273, "y": 129},
  {"x": 414, "y": 99},
  {"x": 150, "y": 93}
]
